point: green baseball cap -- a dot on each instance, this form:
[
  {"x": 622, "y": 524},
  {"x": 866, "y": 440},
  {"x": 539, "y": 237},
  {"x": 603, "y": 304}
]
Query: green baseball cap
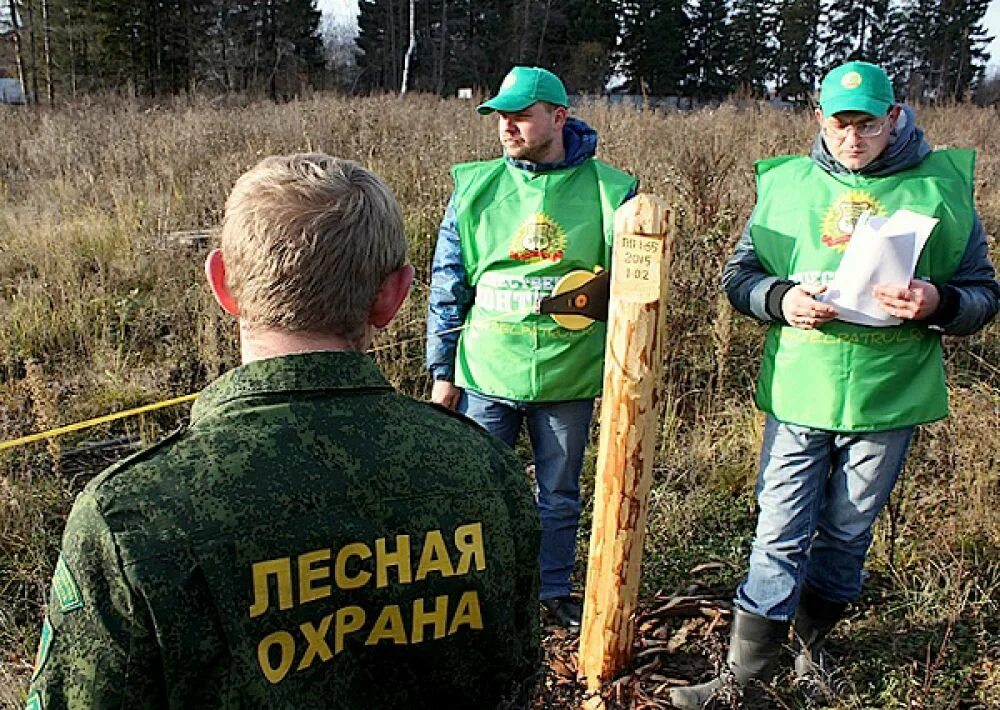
[
  {"x": 524, "y": 86},
  {"x": 856, "y": 86}
]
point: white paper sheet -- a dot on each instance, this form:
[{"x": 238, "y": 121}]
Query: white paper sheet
[{"x": 881, "y": 251}]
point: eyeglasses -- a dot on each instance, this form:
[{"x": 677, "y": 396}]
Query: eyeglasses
[{"x": 867, "y": 129}]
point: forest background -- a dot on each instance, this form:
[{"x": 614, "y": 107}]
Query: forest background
[{"x": 935, "y": 50}]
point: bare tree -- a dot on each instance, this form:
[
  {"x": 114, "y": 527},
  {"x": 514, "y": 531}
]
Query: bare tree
[
  {"x": 541, "y": 34},
  {"x": 47, "y": 51},
  {"x": 70, "y": 38},
  {"x": 18, "y": 52},
  {"x": 525, "y": 31},
  {"x": 32, "y": 54},
  {"x": 442, "y": 53},
  {"x": 410, "y": 51}
]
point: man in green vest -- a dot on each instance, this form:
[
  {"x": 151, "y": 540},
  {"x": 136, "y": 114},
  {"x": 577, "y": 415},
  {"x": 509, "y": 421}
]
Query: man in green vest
[
  {"x": 312, "y": 539},
  {"x": 841, "y": 399},
  {"x": 513, "y": 227}
]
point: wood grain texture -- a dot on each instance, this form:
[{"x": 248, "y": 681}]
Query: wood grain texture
[{"x": 629, "y": 422}]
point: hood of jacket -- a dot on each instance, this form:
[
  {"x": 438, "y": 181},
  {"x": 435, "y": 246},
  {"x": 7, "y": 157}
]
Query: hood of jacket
[{"x": 906, "y": 148}]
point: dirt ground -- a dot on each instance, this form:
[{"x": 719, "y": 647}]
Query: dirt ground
[{"x": 679, "y": 640}]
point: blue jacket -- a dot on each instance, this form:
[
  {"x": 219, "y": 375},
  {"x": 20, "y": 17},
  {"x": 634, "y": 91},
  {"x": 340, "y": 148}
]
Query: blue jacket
[
  {"x": 969, "y": 300},
  {"x": 451, "y": 294}
]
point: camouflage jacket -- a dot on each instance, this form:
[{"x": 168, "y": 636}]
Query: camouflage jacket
[{"x": 311, "y": 539}]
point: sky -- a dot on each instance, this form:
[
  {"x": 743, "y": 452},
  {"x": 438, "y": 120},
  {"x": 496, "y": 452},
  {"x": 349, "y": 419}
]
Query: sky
[
  {"x": 344, "y": 10},
  {"x": 992, "y": 22}
]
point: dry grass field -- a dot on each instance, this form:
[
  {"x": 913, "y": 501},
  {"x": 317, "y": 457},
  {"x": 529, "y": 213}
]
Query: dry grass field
[{"x": 101, "y": 309}]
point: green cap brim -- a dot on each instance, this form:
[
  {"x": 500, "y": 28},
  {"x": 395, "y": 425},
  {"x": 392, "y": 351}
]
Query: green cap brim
[
  {"x": 506, "y": 103},
  {"x": 865, "y": 104}
]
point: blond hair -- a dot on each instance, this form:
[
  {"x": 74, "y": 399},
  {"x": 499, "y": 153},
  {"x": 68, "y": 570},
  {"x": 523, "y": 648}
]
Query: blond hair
[{"x": 307, "y": 241}]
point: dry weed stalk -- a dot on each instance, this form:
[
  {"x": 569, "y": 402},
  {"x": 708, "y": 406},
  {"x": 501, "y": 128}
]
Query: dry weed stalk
[{"x": 44, "y": 409}]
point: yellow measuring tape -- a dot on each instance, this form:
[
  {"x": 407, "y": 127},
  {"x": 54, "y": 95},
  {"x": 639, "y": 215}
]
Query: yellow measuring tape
[{"x": 58, "y": 431}]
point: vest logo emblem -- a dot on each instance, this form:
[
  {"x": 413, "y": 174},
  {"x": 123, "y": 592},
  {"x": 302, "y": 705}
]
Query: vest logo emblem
[
  {"x": 838, "y": 222},
  {"x": 539, "y": 238}
]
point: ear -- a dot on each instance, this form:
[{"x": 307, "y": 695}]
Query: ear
[
  {"x": 215, "y": 272},
  {"x": 560, "y": 114},
  {"x": 390, "y": 296},
  {"x": 894, "y": 112},
  {"x": 819, "y": 116}
]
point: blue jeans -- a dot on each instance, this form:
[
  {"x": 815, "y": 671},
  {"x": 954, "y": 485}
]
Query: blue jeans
[
  {"x": 559, "y": 432},
  {"x": 818, "y": 493}
]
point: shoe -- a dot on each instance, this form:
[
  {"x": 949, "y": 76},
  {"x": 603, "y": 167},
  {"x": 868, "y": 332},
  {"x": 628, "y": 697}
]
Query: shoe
[
  {"x": 564, "y": 611},
  {"x": 815, "y": 673},
  {"x": 754, "y": 646}
]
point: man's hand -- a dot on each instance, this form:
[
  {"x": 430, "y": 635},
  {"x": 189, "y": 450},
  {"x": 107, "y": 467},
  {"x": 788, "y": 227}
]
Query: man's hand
[
  {"x": 801, "y": 310},
  {"x": 446, "y": 394},
  {"x": 917, "y": 302}
]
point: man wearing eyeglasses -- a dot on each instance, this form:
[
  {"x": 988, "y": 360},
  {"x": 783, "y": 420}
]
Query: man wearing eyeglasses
[{"x": 841, "y": 399}]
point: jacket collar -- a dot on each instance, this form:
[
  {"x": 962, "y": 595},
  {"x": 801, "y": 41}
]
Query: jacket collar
[{"x": 305, "y": 372}]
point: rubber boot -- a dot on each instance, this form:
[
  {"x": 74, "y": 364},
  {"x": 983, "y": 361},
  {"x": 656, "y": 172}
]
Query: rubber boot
[
  {"x": 754, "y": 646},
  {"x": 815, "y": 618}
]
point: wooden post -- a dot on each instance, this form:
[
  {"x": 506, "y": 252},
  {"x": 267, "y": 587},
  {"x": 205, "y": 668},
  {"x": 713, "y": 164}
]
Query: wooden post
[{"x": 640, "y": 274}]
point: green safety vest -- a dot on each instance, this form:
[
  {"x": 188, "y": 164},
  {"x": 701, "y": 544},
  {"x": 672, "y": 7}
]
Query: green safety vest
[
  {"x": 522, "y": 231},
  {"x": 841, "y": 376}
]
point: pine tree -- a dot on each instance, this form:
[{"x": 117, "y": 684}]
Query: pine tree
[
  {"x": 653, "y": 50},
  {"x": 907, "y": 64},
  {"x": 459, "y": 43},
  {"x": 475, "y": 42},
  {"x": 844, "y": 33},
  {"x": 798, "y": 46},
  {"x": 380, "y": 41},
  {"x": 754, "y": 44},
  {"x": 958, "y": 58},
  {"x": 710, "y": 50},
  {"x": 577, "y": 43},
  {"x": 488, "y": 51},
  {"x": 940, "y": 49},
  {"x": 297, "y": 53},
  {"x": 859, "y": 30}
]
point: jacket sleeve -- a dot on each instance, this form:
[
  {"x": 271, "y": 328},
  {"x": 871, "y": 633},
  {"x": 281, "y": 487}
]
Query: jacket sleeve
[
  {"x": 450, "y": 299},
  {"x": 95, "y": 650},
  {"x": 749, "y": 287},
  {"x": 971, "y": 297}
]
